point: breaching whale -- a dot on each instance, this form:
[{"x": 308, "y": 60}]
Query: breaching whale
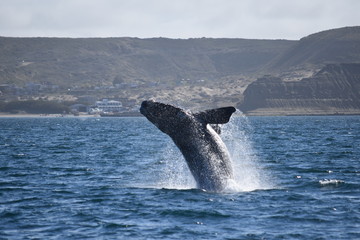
[{"x": 197, "y": 137}]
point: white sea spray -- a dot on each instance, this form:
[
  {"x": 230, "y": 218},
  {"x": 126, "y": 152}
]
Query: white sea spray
[{"x": 248, "y": 173}]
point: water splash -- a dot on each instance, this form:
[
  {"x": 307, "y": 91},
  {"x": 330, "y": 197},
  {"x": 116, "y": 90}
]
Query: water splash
[
  {"x": 175, "y": 173},
  {"x": 248, "y": 175}
]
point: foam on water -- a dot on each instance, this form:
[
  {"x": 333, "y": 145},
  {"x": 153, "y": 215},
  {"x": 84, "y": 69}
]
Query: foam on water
[
  {"x": 248, "y": 174},
  {"x": 331, "y": 182}
]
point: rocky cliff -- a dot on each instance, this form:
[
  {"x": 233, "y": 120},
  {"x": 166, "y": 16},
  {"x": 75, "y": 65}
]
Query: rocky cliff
[{"x": 335, "y": 89}]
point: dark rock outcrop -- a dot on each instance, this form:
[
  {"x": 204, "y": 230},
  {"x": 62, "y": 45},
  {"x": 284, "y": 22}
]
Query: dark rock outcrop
[{"x": 334, "y": 88}]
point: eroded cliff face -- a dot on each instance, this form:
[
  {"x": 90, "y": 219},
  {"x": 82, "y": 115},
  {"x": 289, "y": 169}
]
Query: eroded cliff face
[{"x": 334, "y": 89}]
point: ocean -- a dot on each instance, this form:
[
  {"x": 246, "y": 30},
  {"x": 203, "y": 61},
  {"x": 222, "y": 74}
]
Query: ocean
[{"x": 121, "y": 178}]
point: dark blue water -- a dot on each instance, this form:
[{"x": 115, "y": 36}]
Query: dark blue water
[{"x": 121, "y": 178}]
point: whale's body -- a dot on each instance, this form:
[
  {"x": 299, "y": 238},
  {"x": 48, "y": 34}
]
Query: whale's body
[{"x": 205, "y": 153}]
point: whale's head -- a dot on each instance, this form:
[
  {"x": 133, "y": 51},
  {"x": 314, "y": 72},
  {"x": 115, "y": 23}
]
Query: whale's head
[
  {"x": 170, "y": 119},
  {"x": 164, "y": 116}
]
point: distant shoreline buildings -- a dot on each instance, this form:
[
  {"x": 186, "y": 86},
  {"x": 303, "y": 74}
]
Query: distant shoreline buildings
[{"x": 107, "y": 106}]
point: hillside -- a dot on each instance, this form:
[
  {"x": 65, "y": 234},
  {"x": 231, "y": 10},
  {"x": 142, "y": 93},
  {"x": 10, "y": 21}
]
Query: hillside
[
  {"x": 194, "y": 73},
  {"x": 96, "y": 62},
  {"x": 320, "y": 74},
  {"x": 315, "y": 51}
]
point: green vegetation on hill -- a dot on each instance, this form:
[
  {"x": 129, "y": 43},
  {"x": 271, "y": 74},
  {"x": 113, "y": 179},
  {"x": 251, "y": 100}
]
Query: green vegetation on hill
[
  {"x": 34, "y": 107},
  {"x": 99, "y": 61}
]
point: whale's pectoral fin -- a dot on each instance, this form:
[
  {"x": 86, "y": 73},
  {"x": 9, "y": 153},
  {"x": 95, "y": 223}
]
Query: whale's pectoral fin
[{"x": 216, "y": 116}]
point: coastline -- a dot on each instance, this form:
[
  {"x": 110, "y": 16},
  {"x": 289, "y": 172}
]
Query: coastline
[
  {"x": 26, "y": 115},
  {"x": 29, "y": 115},
  {"x": 259, "y": 112},
  {"x": 302, "y": 112}
]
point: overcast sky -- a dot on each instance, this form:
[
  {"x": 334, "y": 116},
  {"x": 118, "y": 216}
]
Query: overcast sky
[{"x": 259, "y": 19}]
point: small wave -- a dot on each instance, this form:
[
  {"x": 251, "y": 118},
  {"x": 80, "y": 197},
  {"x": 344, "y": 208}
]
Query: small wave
[
  {"x": 326, "y": 182},
  {"x": 194, "y": 213},
  {"x": 234, "y": 186},
  {"x": 19, "y": 155},
  {"x": 116, "y": 225},
  {"x": 10, "y": 214}
]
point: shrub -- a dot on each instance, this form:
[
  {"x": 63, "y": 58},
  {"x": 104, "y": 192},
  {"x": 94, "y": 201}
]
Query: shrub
[{"x": 35, "y": 107}]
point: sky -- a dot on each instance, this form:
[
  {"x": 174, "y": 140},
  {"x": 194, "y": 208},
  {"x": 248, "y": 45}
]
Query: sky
[{"x": 251, "y": 19}]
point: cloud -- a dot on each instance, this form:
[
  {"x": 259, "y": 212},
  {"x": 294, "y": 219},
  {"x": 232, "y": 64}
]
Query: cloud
[{"x": 176, "y": 18}]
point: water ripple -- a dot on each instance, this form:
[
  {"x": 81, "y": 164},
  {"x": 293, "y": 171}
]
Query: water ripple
[{"x": 122, "y": 179}]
